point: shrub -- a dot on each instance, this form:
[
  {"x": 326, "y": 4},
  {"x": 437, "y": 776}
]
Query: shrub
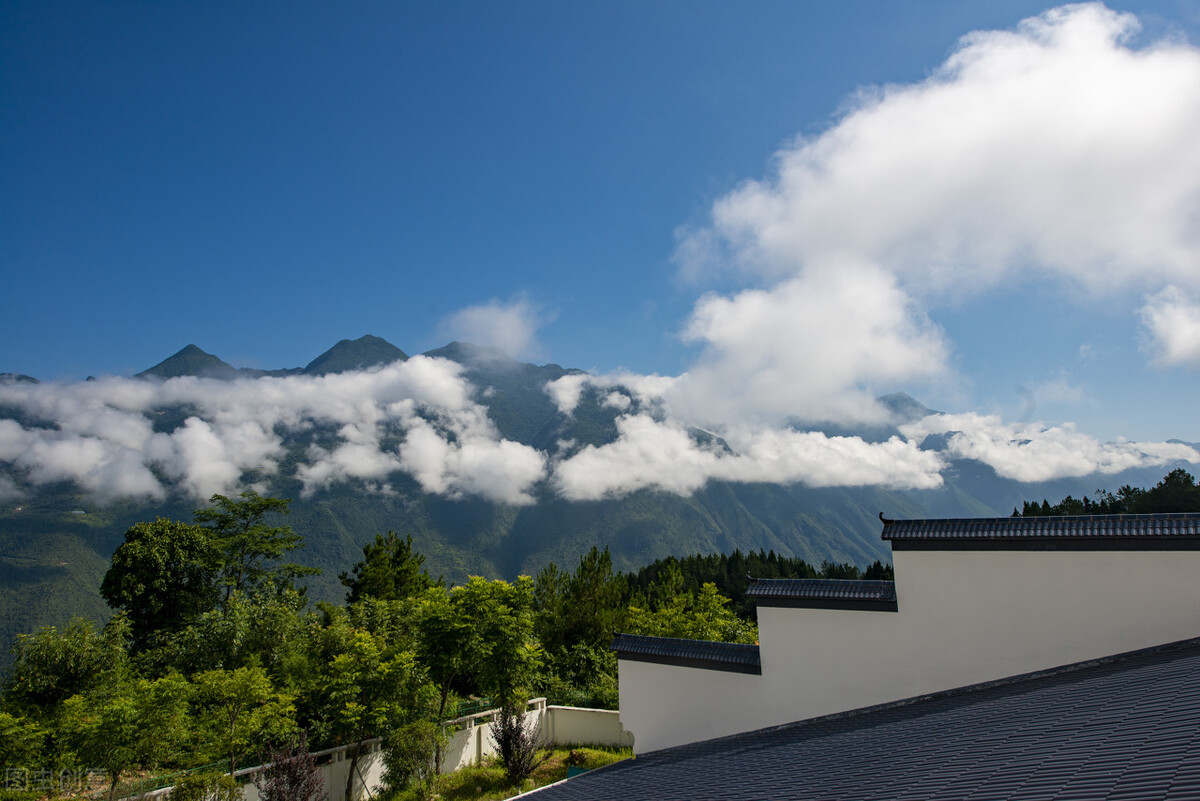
[
  {"x": 410, "y": 755},
  {"x": 207, "y": 786},
  {"x": 291, "y": 774},
  {"x": 517, "y": 743}
]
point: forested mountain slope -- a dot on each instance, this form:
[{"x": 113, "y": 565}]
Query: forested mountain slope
[{"x": 56, "y": 539}]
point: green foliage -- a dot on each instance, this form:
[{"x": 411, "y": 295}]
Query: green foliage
[
  {"x": 120, "y": 726},
  {"x": 1176, "y": 492},
  {"x": 21, "y": 742},
  {"x": 663, "y": 580},
  {"x": 238, "y": 711},
  {"x": 364, "y": 686},
  {"x": 248, "y": 546},
  {"x": 389, "y": 570},
  {"x": 207, "y": 786},
  {"x": 704, "y": 615},
  {"x": 269, "y": 629},
  {"x": 52, "y": 665},
  {"x": 163, "y": 576},
  {"x": 504, "y": 659},
  {"x": 580, "y": 675},
  {"x": 582, "y": 608},
  {"x": 411, "y": 755}
]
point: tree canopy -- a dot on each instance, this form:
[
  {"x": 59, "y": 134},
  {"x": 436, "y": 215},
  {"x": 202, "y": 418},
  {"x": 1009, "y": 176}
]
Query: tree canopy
[{"x": 1176, "y": 492}]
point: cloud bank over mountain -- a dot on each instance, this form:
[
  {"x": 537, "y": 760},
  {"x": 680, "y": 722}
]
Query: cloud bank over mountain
[
  {"x": 423, "y": 418},
  {"x": 100, "y": 434},
  {"x": 1063, "y": 152}
]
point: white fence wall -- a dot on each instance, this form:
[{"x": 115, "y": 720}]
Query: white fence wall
[
  {"x": 469, "y": 745},
  {"x": 567, "y": 725}
]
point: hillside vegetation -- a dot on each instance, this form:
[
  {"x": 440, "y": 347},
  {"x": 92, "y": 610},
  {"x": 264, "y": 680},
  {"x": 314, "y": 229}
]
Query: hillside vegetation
[
  {"x": 214, "y": 656},
  {"x": 56, "y": 541}
]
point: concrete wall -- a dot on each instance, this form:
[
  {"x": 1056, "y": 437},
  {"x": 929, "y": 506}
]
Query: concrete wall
[{"x": 964, "y": 617}]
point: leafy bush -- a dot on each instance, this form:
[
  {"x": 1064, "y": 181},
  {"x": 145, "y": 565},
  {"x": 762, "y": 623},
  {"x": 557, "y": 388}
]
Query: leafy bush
[
  {"x": 291, "y": 774},
  {"x": 207, "y": 786},
  {"x": 517, "y": 743},
  {"x": 410, "y": 755}
]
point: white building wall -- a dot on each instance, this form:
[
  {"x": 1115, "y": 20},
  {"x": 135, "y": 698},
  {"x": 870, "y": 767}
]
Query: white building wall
[{"x": 964, "y": 617}]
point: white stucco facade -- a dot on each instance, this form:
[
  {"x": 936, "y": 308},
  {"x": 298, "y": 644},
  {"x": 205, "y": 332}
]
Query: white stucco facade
[{"x": 964, "y": 617}]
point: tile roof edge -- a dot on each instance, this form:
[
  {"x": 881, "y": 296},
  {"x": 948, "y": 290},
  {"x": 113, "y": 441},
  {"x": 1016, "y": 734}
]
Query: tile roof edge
[
  {"x": 692, "y": 660},
  {"x": 871, "y": 595},
  {"x": 1020, "y": 678}
]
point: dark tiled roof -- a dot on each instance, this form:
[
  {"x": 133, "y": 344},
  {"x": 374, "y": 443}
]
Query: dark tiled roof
[
  {"x": 1103, "y": 532},
  {"x": 728, "y": 656},
  {"x": 823, "y": 593},
  {"x": 1123, "y": 728}
]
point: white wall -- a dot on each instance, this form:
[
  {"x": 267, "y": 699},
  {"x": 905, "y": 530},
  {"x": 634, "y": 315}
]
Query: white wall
[
  {"x": 560, "y": 726},
  {"x": 473, "y": 743},
  {"x": 964, "y": 617},
  {"x": 567, "y": 725}
]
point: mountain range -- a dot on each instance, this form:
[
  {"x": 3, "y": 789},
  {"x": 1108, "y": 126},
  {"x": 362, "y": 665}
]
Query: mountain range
[{"x": 55, "y": 544}]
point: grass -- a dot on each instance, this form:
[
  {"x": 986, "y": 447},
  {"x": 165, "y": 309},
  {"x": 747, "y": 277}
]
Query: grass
[{"x": 487, "y": 782}]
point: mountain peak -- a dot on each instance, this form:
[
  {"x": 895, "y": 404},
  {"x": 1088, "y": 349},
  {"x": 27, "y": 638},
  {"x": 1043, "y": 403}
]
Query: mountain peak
[
  {"x": 358, "y": 354},
  {"x": 468, "y": 353},
  {"x": 904, "y": 408},
  {"x": 191, "y": 360}
]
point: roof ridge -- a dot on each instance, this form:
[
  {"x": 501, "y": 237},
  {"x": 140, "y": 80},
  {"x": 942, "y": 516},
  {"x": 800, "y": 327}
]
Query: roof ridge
[{"x": 888, "y": 521}]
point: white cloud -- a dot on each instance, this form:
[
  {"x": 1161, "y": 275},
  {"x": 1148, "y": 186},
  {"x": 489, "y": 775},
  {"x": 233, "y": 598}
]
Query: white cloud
[
  {"x": 1053, "y": 151},
  {"x": 1172, "y": 319},
  {"x": 815, "y": 347},
  {"x": 510, "y": 326},
  {"x": 662, "y": 455},
  {"x": 1034, "y": 452},
  {"x": 100, "y": 434}
]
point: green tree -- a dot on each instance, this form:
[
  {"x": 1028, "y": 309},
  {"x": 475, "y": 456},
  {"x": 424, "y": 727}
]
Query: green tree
[
  {"x": 500, "y": 615},
  {"x": 583, "y": 608},
  {"x": 1177, "y": 492},
  {"x": 248, "y": 547},
  {"x": 52, "y": 665},
  {"x": 207, "y": 786},
  {"x": 135, "y": 722},
  {"x": 162, "y": 576},
  {"x": 239, "y": 711},
  {"x": 365, "y": 690},
  {"x": 21, "y": 742},
  {"x": 411, "y": 755},
  {"x": 269, "y": 629},
  {"x": 446, "y": 643},
  {"x": 701, "y": 616},
  {"x": 389, "y": 570}
]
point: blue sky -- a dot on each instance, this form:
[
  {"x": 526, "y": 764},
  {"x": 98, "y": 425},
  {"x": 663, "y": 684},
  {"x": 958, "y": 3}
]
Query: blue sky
[{"x": 265, "y": 179}]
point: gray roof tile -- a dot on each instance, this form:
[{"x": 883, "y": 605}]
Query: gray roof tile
[
  {"x": 1123, "y": 728},
  {"x": 823, "y": 593},
  {"x": 733, "y": 657},
  {"x": 1179, "y": 530}
]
